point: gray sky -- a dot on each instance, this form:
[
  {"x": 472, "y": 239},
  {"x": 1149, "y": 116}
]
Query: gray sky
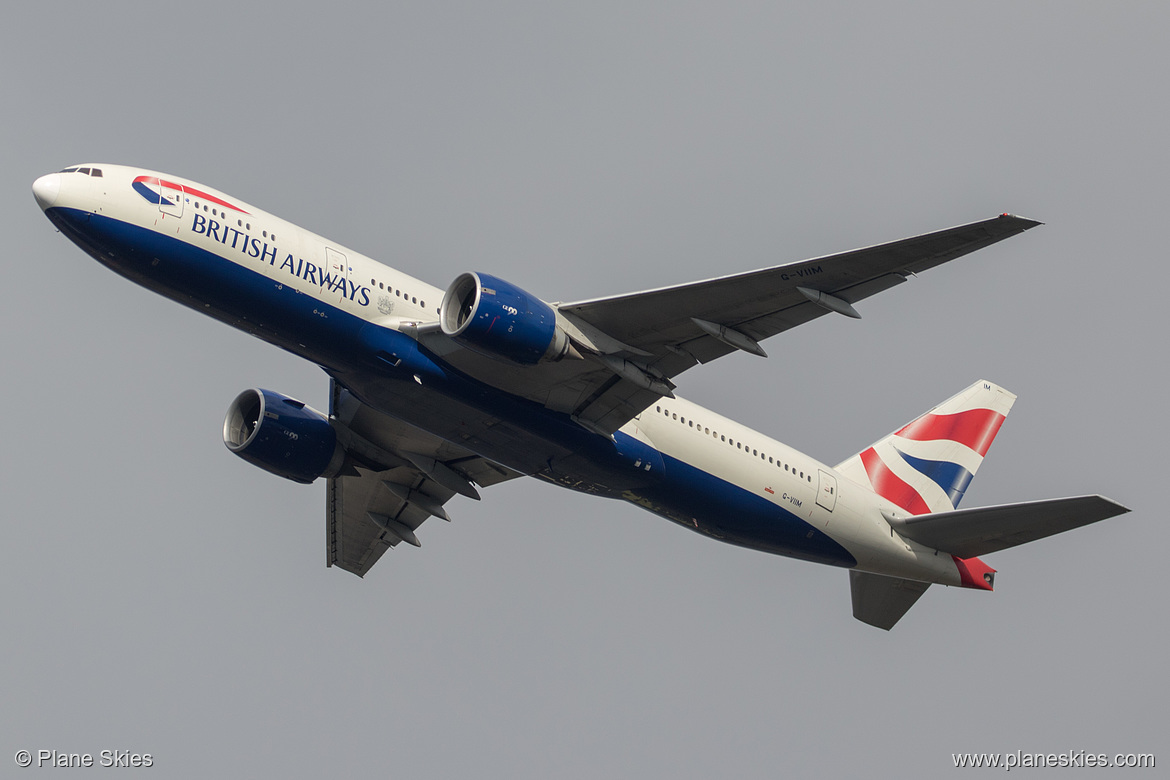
[{"x": 162, "y": 596}]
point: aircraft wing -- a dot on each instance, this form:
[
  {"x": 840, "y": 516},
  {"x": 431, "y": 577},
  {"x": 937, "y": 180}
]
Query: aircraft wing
[
  {"x": 762, "y": 303},
  {"x": 402, "y": 477},
  {"x": 634, "y": 344}
]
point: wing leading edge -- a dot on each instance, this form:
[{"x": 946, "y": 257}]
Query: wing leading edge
[
  {"x": 635, "y": 343},
  {"x": 768, "y": 301}
]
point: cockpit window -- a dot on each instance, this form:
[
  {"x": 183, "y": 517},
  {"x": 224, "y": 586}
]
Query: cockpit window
[
  {"x": 83, "y": 170},
  {"x": 96, "y": 172},
  {"x": 68, "y": 170}
]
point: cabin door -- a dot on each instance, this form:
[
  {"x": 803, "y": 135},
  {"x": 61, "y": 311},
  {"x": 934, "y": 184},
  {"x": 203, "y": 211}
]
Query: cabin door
[
  {"x": 827, "y": 491},
  {"x": 170, "y": 198}
]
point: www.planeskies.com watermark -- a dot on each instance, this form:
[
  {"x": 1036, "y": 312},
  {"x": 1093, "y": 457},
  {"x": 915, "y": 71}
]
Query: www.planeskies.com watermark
[{"x": 1067, "y": 759}]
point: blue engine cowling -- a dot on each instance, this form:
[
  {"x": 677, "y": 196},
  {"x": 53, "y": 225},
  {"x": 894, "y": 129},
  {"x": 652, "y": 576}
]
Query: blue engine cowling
[
  {"x": 282, "y": 436},
  {"x": 498, "y": 319}
]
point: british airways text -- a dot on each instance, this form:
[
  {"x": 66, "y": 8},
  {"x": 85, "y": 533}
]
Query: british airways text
[{"x": 298, "y": 267}]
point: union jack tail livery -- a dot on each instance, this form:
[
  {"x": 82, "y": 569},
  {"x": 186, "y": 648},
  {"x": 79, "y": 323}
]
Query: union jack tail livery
[{"x": 926, "y": 466}]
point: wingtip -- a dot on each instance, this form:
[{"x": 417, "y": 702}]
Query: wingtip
[
  {"x": 1025, "y": 222},
  {"x": 1117, "y": 505}
]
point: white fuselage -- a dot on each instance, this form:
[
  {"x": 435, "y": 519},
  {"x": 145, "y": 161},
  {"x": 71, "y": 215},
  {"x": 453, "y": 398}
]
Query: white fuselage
[{"x": 712, "y": 465}]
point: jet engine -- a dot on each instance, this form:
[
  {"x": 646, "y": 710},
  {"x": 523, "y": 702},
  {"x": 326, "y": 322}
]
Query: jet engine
[
  {"x": 282, "y": 436},
  {"x": 498, "y": 319}
]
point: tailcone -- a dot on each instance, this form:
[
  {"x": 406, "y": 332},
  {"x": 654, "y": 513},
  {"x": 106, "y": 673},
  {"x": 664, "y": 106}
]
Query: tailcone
[{"x": 974, "y": 573}]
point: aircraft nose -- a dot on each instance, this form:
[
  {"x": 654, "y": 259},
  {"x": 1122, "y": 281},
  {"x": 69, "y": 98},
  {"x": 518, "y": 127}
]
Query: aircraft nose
[{"x": 46, "y": 189}]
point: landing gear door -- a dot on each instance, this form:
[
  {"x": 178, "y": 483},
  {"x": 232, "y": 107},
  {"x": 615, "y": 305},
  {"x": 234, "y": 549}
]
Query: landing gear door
[
  {"x": 170, "y": 198},
  {"x": 827, "y": 491}
]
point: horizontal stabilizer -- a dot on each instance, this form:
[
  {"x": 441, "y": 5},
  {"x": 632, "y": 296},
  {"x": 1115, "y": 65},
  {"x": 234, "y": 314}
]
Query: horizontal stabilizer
[
  {"x": 880, "y": 600},
  {"x": 967, "y": 533}
]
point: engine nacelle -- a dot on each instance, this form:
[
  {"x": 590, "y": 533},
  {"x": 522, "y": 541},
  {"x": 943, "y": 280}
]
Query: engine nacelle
[
  {"x": 500, "y": 320},
  {"x": 282, "y": 436}
]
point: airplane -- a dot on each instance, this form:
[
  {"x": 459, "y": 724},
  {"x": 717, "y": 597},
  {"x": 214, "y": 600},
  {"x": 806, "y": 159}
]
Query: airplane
[{"x": 437, "y": 392}]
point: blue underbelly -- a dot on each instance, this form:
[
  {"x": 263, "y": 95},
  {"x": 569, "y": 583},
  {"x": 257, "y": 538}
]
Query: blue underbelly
[{"x": 709, "y": 505}]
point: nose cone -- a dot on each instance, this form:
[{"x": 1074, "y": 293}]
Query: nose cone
[{"x": 45, "y": 190}]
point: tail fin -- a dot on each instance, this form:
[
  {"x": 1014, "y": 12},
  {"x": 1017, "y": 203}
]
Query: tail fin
[{"x": 926, "y": 466}]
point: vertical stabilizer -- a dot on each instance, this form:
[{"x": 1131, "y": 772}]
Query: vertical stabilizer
[{"x": 926, "y": 465}]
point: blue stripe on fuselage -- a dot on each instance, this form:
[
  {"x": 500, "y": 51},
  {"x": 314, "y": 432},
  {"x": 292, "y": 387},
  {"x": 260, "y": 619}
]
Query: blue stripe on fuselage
[
  {"x": 705, "y": 503},
  {"x": 150, "y": 194},
  {"x": 241, "y": 296},
  {"x": 248, "y": 299},
  {"x": 379, "y": 364}
]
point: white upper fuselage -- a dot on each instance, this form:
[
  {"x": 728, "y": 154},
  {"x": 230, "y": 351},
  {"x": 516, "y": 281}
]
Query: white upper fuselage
[{"x": 337, "y": 281}]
